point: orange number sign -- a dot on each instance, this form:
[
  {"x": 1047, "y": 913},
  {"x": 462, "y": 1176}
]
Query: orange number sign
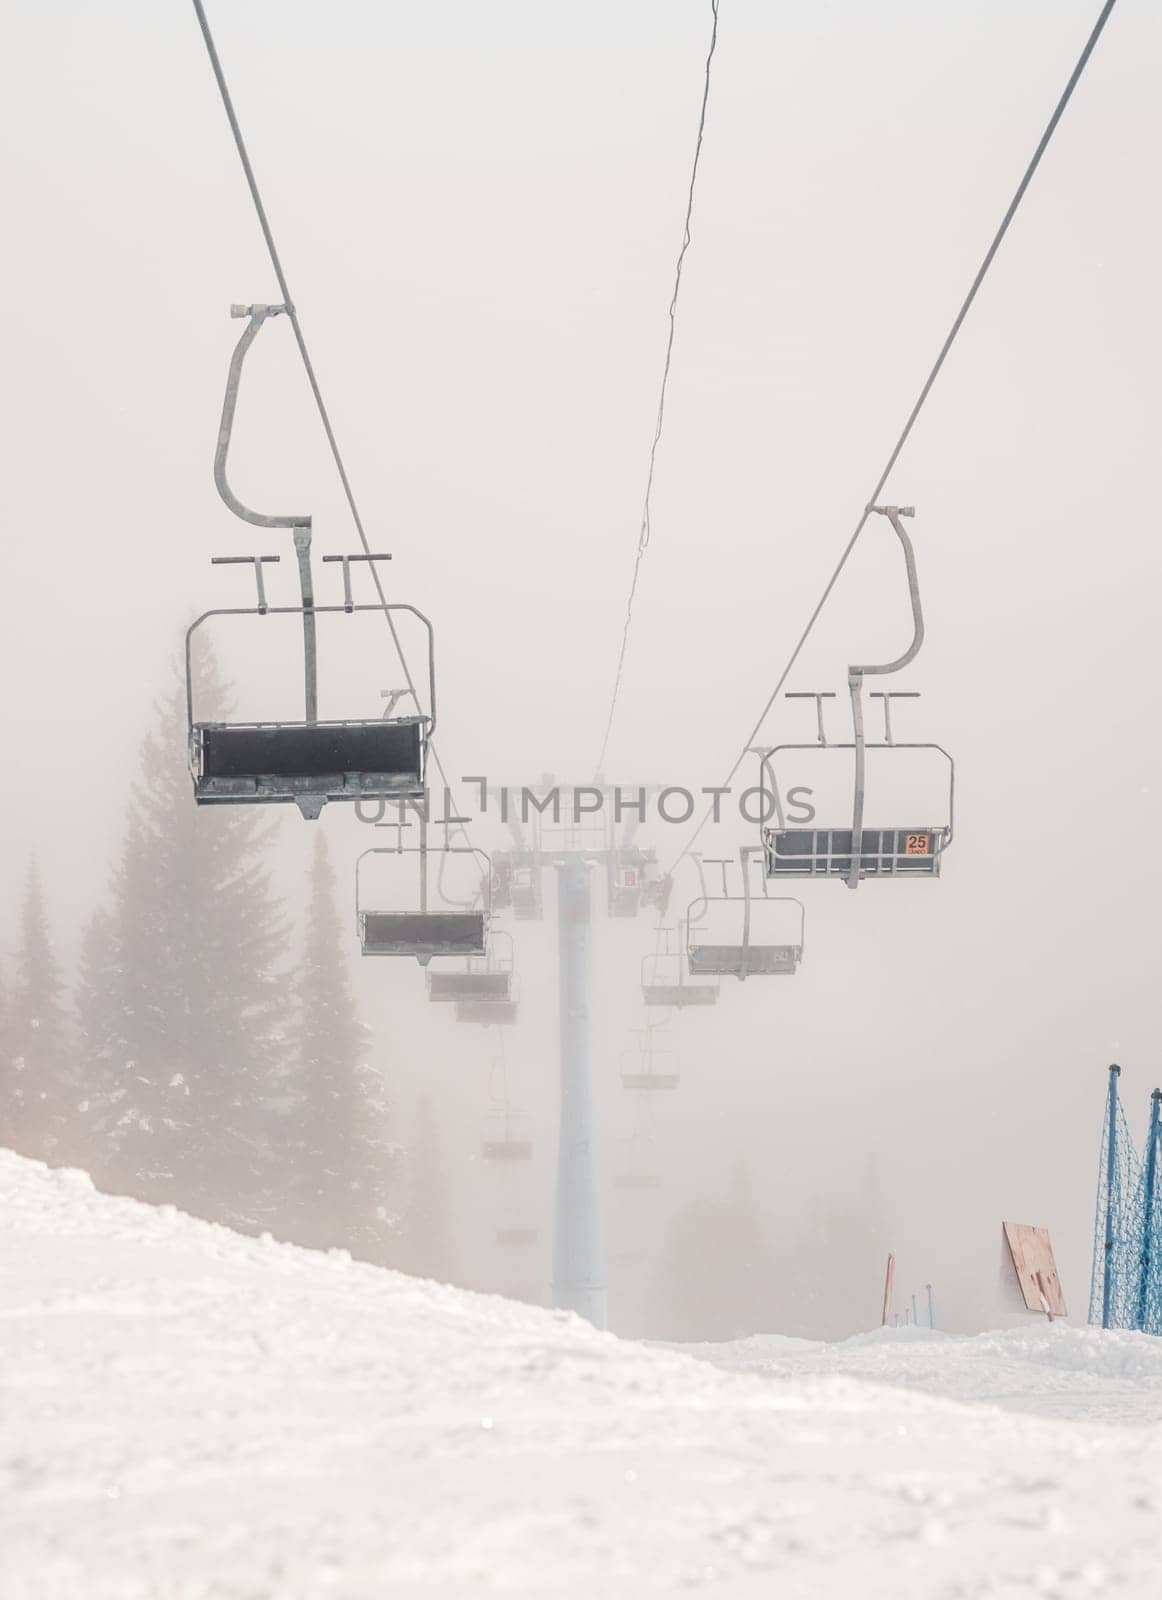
[{"x": 916, "y": 844}]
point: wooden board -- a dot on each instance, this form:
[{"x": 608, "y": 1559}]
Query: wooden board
[{"x": 1032, "y": 1256}]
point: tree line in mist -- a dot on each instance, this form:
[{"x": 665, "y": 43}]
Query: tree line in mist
[{"x": 207, "y": 1051}]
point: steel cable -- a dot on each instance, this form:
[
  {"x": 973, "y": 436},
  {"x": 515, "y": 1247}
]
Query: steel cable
[
  {"x": 998, "y": 237},
  {"x": 644, "y": 529}
]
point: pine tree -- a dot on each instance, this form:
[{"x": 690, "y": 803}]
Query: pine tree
[
  {"x": 343, "y": 1157},
  {"x": 189, "y": 1056},
  {"x": 37, "y": 1106},
  {"x": 719, "y": 1275},
  {"x": 842, "y": 1251},
  {"x": 101, "y": 1051},
  {"x": 425, "y": 1246},
  {"x": 7, "y": 1070}
]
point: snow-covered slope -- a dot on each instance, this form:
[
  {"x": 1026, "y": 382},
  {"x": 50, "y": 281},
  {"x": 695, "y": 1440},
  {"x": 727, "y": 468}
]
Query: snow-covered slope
[{"x": 189, "y": 1413}]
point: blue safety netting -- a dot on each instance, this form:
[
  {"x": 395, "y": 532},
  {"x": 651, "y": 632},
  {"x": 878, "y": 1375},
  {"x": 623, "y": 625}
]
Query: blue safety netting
[
  {"x": 1150, "y": 1298},
  {"x": 1117, "y": 1227},
  {"x": 1126, "y": 1281}
]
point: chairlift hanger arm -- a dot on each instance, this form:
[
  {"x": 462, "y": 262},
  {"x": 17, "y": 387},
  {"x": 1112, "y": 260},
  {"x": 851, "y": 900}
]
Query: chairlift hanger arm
[
  {"x": 894, "y": 515},
  {"x": 855, "y": 677},
  {"x": 257, "y": 315}
]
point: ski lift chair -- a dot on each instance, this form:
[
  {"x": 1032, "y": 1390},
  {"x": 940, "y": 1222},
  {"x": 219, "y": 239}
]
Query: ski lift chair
[
  {"x": 423, "y": 931},
  {"x": 664, "y": 980},
  {"x": 637, "y": 1180},
  {"x": 505, "y": 1139},
  {"x": 637, "y": 1168},
  {"x": 649, "y": 1069},
  {"x": 855, "y": 852},
  {"x": 525, "y": 889},
  {"x": 748, "y": 956},
  {"x": 486, "y": 979},
  {"x": 305, "y": 762},
  {"x": 516, "y": 1238},
  {"x": 487, "y": 1013}
]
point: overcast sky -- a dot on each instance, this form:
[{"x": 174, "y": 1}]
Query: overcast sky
[{"x": 479, "y": 208}]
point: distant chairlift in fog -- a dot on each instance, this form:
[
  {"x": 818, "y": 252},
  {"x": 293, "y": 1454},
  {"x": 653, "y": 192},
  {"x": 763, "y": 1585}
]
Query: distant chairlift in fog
[
  {"x": 484, "y": 988},
  {"x": 855, "y": 852},
  {"x": 516, "y": 1238},
  {"x": 307, "y": 762},
  {"x": 505, "y": 1137},
  {"x": 516, "y": 883},
  {"x": 636, "y": 1168},
  {"x": 649, "y": 1067},
  {"x": 487, "y": 979},
  {"x": 743, "y": 936},
  {"x": 664, "y": 977}
]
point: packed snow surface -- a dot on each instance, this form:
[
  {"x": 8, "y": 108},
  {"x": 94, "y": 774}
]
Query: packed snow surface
[{"x": 189, "y": 1413}]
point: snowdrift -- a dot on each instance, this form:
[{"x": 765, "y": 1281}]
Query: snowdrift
[{"x": 189, "y": 1413}]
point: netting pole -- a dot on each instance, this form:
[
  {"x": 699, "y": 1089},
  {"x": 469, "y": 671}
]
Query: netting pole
[
  {"x": 1111, "y": 1169},
  {"x": 1148, "y": 1214}
]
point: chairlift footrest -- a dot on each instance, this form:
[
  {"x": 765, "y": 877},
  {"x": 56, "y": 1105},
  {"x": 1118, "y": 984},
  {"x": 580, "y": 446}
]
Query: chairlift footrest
[
  {"x": 679, "y": 995},
  {"x": 744, "y": 961},
  {"x": 827, "y": 852}
]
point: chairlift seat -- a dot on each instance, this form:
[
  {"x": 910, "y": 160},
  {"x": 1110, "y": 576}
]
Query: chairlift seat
[
  {"x": 649, "y": 1080},
  {"x": 753, "y": 960},
  {"x": 507, "y": 1150},
  {"x": 494, "y": 1013},
  {"x": 827, "y": 852},
  {"x": 423, "y": 934},
  {"x": 525, "y": 895},
  {"x": 307, "y": 763},
  {"x": 515, "y": 1237},
  {"x": 679, "y": 994},
  {"x": 487, "y": 986}
]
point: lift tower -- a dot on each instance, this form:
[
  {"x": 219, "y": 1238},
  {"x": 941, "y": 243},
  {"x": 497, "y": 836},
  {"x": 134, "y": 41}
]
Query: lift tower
[{"x": 551, "y": 828}]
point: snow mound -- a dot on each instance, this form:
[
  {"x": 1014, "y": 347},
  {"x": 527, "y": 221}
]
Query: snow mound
[
  {"x": 1049, "y": 1369},
  {"x": 190, "y": 1414}
]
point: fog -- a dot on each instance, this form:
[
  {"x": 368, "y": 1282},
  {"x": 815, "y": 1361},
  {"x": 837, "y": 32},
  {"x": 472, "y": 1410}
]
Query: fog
[{"x": 479, "y": 210}]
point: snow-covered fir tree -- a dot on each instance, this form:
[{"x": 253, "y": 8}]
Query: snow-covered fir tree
[
  {"x": 343, "y": 1159},
  {"x": 183, "y": 995},
  {"x": 102, "y": 1049}
]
